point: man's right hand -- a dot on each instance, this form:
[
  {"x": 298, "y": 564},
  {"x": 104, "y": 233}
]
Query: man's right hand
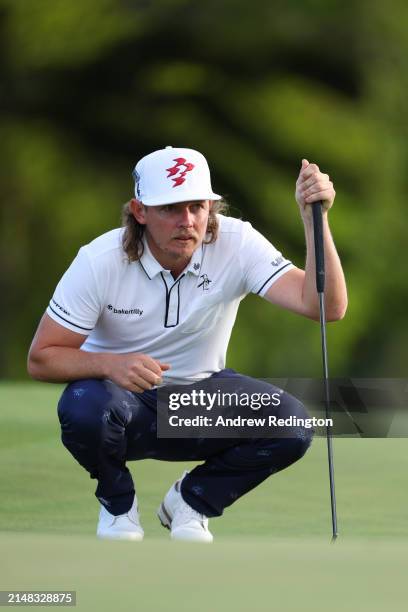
[{"x": 135, "y": 372}]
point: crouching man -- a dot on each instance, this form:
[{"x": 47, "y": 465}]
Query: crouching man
[{"x": 153, "y": 304}]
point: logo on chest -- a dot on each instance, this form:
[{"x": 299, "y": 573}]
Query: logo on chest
[
  {"x": 124, "y": 311},
  {"x": 205, "y": 283}
]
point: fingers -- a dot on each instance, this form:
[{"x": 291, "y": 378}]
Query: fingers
[
  {"x": 149, "y": 377},
  {"x": 150, "y": 364},
  {"x": 138, "y": 384},
  {"x": 308, "y": 170},
  {"x": 325, "y": 195},
  {"x": 313, "y": 185},
  {"x": 153, "y": 370},
  {"x": 144, "y": 380},
  {"x": 316, "y": 178},
  {"x": 137, "y": 372},
  {"x": 164, "y": 366},
  {"x": 317, "y": 188}
]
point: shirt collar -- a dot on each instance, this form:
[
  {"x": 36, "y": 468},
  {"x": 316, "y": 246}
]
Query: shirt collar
[
  {"x": 152, "y": 267},
  {"x": 195, "y": 262}
]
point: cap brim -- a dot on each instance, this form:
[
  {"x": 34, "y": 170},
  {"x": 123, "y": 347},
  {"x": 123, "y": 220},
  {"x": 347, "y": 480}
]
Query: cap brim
[{"x": 177, "y": 199}]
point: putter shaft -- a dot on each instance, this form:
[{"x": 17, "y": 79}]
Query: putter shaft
[{"x": 320, "y": 281}]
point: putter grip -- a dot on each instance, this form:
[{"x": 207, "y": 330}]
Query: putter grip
[{"x": 318, "y": 241}]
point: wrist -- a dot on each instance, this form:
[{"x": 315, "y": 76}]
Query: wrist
[
  {"x": 307, "y": 217},
  {"x": 103, "y": 364}
]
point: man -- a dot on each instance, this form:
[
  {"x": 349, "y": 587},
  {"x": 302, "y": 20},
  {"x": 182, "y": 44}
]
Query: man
[{"x": 154, "y": 304}]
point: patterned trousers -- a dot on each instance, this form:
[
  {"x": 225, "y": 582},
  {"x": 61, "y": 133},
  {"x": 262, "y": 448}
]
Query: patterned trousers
[{"x": 103, "y": 426}]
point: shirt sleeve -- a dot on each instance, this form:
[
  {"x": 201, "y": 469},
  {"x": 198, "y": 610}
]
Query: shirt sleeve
[
  {"x": 75, "y": 303},
  {"x": 261, "y": 262}
]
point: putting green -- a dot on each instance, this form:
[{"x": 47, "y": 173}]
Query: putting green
[
  {"x": 239, "y": 574},
  {"x": 271, "y": 547}
]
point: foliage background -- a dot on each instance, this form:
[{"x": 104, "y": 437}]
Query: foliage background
[{"x": 89, "y": 87}]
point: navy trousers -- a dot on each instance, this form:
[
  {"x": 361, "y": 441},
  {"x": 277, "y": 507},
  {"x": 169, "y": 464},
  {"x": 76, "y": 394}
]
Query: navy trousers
[{"x": 104, "y": 426}]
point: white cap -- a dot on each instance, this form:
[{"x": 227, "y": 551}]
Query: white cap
[{"x": 173, "y": 175}]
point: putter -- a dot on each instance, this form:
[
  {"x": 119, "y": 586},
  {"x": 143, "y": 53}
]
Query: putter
[{"x": 320, "y": 278}]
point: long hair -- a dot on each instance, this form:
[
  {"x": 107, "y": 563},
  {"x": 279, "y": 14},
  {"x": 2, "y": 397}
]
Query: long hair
[{"x": 132, "y": 240}]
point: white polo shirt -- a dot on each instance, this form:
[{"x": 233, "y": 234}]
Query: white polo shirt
[{"x": 139, "y": 307}]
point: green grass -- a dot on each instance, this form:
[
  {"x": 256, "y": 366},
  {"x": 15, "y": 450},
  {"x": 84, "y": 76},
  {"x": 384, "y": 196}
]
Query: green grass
[{"x": 271, "y": 547}]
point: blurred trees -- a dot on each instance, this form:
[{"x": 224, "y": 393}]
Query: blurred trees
[{"x": 89, "y": 87}]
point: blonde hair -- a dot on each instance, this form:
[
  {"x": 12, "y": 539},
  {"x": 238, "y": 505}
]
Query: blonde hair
[{"x": 132, "y": 240}]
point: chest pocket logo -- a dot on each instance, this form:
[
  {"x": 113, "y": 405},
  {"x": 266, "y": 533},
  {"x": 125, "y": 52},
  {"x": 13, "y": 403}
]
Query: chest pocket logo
[{"x": 204, "y": 318}]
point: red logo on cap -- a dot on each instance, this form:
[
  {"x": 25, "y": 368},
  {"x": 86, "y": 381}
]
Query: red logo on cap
[{"x": 176, "y": 171}]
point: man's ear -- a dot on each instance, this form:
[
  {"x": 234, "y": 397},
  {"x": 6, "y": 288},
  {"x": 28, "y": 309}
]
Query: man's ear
[{"x": 138, "y": 211}]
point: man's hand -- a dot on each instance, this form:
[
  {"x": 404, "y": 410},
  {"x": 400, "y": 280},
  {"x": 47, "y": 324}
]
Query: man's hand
[
  {"x": 135, "y": 371},
  {"x": 313, "y": 186},
  {"x": 55, "y": 356}
]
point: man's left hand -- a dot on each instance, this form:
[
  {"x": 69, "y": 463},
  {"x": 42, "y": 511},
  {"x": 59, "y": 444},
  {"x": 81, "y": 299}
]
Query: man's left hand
[{"x": 313, "y": 186}]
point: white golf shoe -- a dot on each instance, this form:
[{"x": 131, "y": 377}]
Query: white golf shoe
[
  {"x": 122, "y": 527},
  {"x": 184, "y": 522}
]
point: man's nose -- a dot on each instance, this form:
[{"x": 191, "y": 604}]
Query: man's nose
[{"x": 185, "y": 218}]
